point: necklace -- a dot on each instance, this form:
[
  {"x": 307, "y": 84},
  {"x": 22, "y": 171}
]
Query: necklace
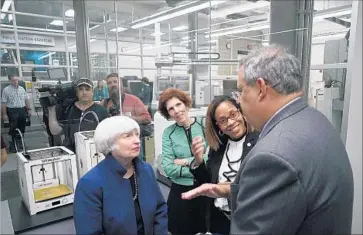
[{"x": 135, "y": 180}]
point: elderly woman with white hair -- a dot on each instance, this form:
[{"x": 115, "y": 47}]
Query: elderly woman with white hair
[{"x": 120, "y": 195}]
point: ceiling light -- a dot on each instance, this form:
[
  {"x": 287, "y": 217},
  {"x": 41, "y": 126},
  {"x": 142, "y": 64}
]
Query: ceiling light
[
  {"x": 180, "y": 28},
  {"x": 332, "y": 36},
  {"x": 6, "y": 7},
  {"x": 212, "y": 41},
  {"x": 174, "y": 12},
  {"x": 69, "y": 13},
  {"x": 119, "y": 29},
  {"x": 92, "y": 40},
  {"x": 321, "y": 16},
  {"x": 57, "y": 22},
  {"x": 246, "y": 28},
  {"x": 248, "y": 6},
  {"x": 46, "y": 55},
  {"x": 157, "y": 34},
  {"x": 185, "y": 38}
]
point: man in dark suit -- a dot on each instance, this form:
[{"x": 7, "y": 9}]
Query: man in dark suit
[{"x": 297, "y": 179}]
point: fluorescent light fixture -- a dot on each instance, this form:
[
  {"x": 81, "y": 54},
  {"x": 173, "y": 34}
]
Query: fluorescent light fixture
[
  {"x": 319, "y": 17},
  {"x": 92, "y": 40},
  {"x": 157, "y": 34},
  {"x": 118, "y": 29},
  {"x": 185, "y": 38},
  {"x": 148, "y": 47},
  {"x": 246, "y": 6},
  {"x": 46, "y": 55},
  {"x": 6, "y": 7},
  {"x": 326, "y": 37},
  {"x": 69, "y": 13},
  {"x": 180, "y": 28},
  {"x": 174, "y": 12},
  {"x": 246, "y": 28},
  {"x": 212, "y": 41},
  {"x": 57, "y": 22}
]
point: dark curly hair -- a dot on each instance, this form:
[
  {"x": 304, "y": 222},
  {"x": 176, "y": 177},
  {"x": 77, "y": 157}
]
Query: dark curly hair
[{"x": 170, "y": 93}]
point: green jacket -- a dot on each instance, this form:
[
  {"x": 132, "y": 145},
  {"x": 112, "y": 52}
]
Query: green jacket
[{"x": 177, "y": 145}]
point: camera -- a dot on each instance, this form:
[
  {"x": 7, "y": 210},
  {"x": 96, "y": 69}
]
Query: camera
[{"x": 61, "y": 94}]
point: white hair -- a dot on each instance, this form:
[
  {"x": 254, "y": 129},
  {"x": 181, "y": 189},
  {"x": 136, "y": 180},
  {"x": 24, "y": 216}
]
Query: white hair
[{"x": 110, "y": 129}]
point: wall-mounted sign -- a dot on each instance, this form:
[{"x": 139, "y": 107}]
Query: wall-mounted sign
[{"x": 28, "y": 39}]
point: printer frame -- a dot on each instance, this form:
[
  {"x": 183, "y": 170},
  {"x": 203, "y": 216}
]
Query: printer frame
[{"x": 26, "y": 180}]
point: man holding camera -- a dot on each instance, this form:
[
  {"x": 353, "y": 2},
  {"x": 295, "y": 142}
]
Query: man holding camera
[
  {"x": 15, "y": 108},
  {"x": 84, "y": 109}
]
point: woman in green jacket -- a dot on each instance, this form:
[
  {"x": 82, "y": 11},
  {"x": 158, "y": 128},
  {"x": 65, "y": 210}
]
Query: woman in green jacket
[{"x": 184, "y": 217}]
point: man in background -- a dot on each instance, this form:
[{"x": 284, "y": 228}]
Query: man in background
[
  {"x": 15, "y": 109},
  {"x": 146, "y": 92},
  {"x": 84, "y": 108},
  {"x": 4, "y": 154},
  {"x": 131, "y": 105}
]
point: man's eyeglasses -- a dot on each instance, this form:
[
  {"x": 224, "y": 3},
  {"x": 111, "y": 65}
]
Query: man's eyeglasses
[{"x": 223, "y": 121}]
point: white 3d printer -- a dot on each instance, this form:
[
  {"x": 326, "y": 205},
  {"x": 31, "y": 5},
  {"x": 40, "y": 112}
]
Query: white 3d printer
[
  {"x": 47, "y": 178},
  {"x": 87, "y": 156}
]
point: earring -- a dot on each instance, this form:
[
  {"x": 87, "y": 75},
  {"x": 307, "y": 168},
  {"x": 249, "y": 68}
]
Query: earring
[{"x": 220, "y": 133}]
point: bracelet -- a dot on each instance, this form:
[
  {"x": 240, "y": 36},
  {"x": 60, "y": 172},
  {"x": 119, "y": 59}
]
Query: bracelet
[{"x": 193, "y": 166}]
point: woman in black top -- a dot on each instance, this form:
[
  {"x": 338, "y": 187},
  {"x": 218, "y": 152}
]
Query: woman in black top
[{"x": 230, "y": 139}]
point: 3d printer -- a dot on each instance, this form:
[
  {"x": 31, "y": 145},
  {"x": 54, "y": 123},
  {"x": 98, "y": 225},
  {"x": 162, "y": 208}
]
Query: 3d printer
[
  {"x": 47, "y": 178},
  {"x": 87, "y": 156}
]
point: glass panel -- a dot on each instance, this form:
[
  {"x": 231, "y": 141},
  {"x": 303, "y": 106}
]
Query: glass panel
[
  {"x": 6, "y": 20},
  {"x": 326, "y": 93},
  {"x": 129, "y": 62},
  {"x": 47, "y": 8},
  {"x": 149, "y": 62},
  {"x": 331, "y": 26},
  {"x": 73, "y": 61},
  {"x": 8, "y": 57},
  {"x": 130, "y": 72},
  {"x": 42, "y": 57},
  {"x": 74, "y": 74},
  {"x": 98, "y": 73},
  {"x": 99, "y": 60}
]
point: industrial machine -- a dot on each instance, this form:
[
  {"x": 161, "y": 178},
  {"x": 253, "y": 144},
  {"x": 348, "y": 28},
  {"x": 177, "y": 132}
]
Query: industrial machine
[
  {"x": 47, "y": 178},
  {"x": 330, "y": 98},
  {"x": 160, "y": 123},
  {"x": 87, "y": 156},
  {"x": 206, "y": 89}
]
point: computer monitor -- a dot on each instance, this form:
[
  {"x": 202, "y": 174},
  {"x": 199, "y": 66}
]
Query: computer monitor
[
  {"x": 229, "y": 86},
  {"x": 57, "y": 73}
]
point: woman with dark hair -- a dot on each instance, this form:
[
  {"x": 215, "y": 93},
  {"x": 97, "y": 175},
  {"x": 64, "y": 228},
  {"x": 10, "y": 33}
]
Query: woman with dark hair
[
  {"x": 185, "y": 217},
  {"x": 230, "y": 138}
]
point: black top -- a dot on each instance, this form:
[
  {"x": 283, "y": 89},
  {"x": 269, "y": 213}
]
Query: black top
[
  {"x": 208, "y": 173},
  {"x": 71, "y": 118},
  {"x": 139, "y": 221}
]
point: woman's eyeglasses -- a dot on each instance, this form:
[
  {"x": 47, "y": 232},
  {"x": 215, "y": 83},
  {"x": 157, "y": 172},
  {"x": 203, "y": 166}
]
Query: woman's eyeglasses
[{"x": 223, "y": 121}]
